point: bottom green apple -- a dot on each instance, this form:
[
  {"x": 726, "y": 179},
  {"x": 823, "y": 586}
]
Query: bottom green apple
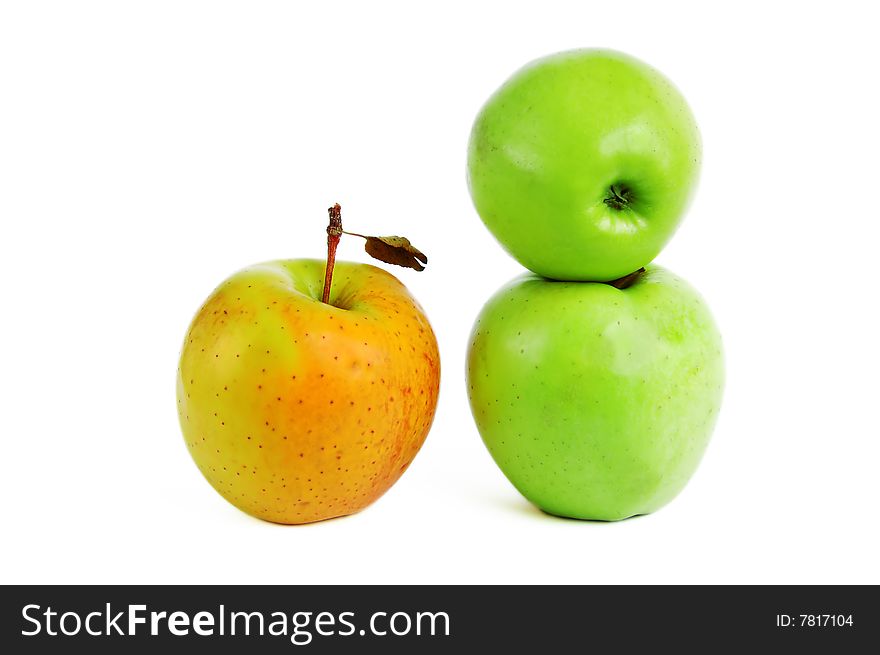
[{"x": 596, "y": 402}]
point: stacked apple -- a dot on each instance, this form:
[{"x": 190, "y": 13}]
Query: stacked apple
[{"x": 595, "y": 380}]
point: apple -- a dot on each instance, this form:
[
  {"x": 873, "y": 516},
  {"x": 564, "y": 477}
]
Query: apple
[
  {"x": 596, "y": 402},
  {"x": 296, "y": 410},
  {"x": 583, "y": 163}
]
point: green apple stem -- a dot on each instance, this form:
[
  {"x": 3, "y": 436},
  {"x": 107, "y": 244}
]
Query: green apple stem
[
  {"x": 626, "y": 280},
  {"x": 334, "y": 234}
]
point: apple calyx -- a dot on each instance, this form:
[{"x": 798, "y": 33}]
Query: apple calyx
[
  {"x": 391, "y": 250},
  {"x": 619, "y": 197},
  {"x": 627, "y": 280}
]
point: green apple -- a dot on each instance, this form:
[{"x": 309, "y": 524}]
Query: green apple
[
  {"x": 583, "y": 163},
  {"x": 596, "y": 402}
]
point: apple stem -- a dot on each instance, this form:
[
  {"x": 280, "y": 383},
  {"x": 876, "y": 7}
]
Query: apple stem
[
  {"x": 626, "y": 280},
  {"x": 334, "y": 234}
]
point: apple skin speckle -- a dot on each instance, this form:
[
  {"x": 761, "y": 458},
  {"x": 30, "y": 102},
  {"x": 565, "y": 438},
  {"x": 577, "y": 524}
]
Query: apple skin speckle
[{"x": 319, "y": 403}]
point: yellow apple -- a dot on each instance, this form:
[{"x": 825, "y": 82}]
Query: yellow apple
[{"x": 297, "y": 410}]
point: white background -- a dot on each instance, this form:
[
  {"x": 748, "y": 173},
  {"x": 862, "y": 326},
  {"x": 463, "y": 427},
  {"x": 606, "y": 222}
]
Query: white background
[{"x": 150, "y": 149}]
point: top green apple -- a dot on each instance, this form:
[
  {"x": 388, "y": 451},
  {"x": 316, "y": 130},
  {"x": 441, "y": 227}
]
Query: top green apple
[{"x": 583, "y": 163}]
